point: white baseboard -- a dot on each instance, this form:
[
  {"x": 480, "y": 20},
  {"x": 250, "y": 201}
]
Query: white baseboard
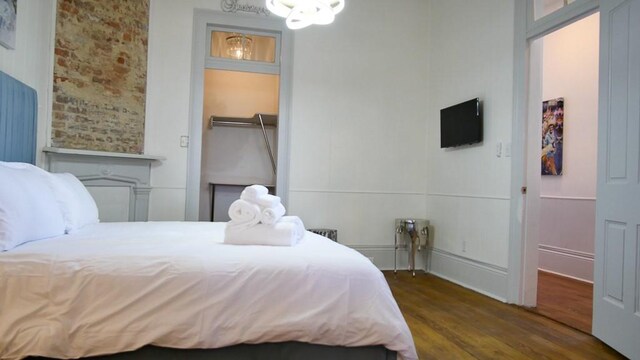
[
  {"x": 487, "y": 279},
  {"x": 566, "y": 262},
  {"x": 566, "y": 276},
  {"x": 483, "y": 278},
  {"x": 382, "y": 256}
]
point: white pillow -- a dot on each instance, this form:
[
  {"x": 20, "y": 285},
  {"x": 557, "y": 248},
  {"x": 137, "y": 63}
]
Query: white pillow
[
  {"x": 28, "y": 209},
  {"x": 77, "y": 205}
]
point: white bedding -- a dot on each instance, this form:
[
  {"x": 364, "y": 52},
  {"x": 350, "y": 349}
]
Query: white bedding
[{"x": 113, "y": 287}]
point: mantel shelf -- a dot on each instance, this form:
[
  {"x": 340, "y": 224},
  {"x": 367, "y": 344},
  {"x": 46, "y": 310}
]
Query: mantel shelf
[{"x": 102, "y": 154}]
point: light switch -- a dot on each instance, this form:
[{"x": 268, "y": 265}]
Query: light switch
[{"x": 184, "y": 141}]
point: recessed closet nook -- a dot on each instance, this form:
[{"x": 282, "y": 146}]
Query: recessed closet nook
[{"x": 240, "y": 116}]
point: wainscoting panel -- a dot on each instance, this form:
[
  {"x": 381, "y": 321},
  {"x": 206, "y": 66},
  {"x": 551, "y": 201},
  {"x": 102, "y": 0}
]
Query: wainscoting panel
[
  {"x": 363, "y": 219},
  {"x": 471, "y": 226},
  {"x": 566, "y": 262},
  {"x": 484, "y": 278},
  {"x": 567, "y": 235}
]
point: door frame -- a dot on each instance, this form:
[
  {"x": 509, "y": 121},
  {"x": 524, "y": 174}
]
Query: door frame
[
  {"x": 522, "y": 275},
  {"x": 201, "y": 20}
]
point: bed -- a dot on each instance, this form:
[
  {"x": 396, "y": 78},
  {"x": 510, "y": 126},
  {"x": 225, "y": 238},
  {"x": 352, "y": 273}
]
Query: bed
[
  {"x": 115, "y": 287},
  {"x": 170, "y": 289}
]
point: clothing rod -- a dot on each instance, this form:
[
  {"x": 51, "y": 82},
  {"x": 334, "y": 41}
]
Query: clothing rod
[
  {"x": 257, "y": 120},
  {"x": 237, "y": 123},
  {"x": 266, "y": 142}
]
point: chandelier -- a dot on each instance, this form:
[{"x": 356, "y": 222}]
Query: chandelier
[
  {"x": 302, "y": 13},
  {"x": 239, "y": 46}
]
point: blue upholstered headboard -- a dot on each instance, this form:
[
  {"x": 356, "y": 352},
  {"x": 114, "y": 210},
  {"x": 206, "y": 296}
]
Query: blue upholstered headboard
[{"x": 18, "y": 118}]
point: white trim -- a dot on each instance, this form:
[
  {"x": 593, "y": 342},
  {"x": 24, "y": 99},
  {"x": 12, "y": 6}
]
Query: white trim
[
  {"x": 221, "y": 63},
  {"x": 55, "y": 150},
  {"x": 284, "y": 111},
  {"x": 518, "y": 140},
  {"x": 566, "y": 276},
  {"x": 373, "y": 192},
  {"x": 194, "y": 151},
  {"x": 49, "y": 91},
  {"x": 522, "y": 276},
  {"x": 577, "y": 198},
  {"x": 566, "y": 252},
  {"x": 487, "y": 279},
  {"x": 566, "y": 262},
  {"x": 489, "y": 197},
  {"x": 201, "y": 20},
  {"x": 561, "y": 18}
]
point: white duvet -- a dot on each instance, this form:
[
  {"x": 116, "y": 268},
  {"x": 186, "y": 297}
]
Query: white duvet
[{"x": 114, "y": 287}]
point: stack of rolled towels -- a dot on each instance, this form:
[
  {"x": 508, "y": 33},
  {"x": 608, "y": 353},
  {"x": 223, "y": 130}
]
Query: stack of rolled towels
[{"x": 257, "y": 218}]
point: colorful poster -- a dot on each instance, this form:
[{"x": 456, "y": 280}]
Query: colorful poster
[{"x": 552, "y": 129}]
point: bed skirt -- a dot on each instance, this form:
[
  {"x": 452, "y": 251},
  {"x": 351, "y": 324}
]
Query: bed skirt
[{"x": 281, "y": 351}]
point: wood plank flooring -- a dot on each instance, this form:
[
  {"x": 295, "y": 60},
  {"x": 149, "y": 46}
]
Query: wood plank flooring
[
  {"x": 450, "y": 322},
  {"x": 566, "y": 300}
]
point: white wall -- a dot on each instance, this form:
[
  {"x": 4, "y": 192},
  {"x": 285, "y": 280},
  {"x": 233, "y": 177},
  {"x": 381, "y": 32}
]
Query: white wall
[
  {"x": 32, "y": 60},
  {"x": 364, "y": 134},
  {"x": 567, "y": 213},
  {"x": 358, "y": 121},
  {"x": 357, "y": 137},
  {"x": 167, "y": 108},
  {"x": 471, "y": 55}
]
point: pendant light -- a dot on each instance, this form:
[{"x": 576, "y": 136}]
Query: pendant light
[{"x": 302, "y": 13}]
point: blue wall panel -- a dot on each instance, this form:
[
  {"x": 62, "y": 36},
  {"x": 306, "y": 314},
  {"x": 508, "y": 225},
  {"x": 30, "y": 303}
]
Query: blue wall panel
[{"x": 18, "y": 119}]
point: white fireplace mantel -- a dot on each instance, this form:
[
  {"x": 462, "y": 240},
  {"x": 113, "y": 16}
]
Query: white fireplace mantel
[{"x": 120, "y": 183}]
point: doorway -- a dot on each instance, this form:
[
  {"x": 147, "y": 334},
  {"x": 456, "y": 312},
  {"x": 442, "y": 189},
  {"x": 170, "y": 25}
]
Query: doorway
[
  {"x": 568, "y": 153},
  {"x": 239, "y": 120},
  {"x": 616, "y": 296},
  {"x": 237, "y": 149}
]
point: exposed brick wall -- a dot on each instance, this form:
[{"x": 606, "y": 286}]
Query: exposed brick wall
[{"x": 100, "y": 75}]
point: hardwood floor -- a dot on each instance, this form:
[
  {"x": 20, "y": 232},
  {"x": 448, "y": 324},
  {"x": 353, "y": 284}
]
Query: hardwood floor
[
  {"x": 566, "y": 300},
  {"x": 450, "y": 322}
]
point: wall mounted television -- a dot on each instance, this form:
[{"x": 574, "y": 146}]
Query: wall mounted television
[{"x": 461, "y": 124}]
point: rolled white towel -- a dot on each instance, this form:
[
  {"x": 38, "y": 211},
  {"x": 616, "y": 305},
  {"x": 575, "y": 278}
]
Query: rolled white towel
[
  {"x": 297, "y": 222},
  {"x": 293, "y": 219},
  {"x": 278, "y": 234},
  {"x": 267, "y": 201},
  {"x": 251, "y": 193},
  {"x": 271, "y": 215},
  {"x": 244, "y": 214}
]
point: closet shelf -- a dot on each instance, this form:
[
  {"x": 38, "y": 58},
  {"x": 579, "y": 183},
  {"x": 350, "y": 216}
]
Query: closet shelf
[{"x": 267, "y": 120}]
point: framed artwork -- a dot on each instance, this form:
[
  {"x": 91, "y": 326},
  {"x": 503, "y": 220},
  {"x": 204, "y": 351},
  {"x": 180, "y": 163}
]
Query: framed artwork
[
  {"x": 552, "y": 136},
  {"x": 8, "y": 15}
]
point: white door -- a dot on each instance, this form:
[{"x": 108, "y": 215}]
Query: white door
[{"x": 616, "y": 298}]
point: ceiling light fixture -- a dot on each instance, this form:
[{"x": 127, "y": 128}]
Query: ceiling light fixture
[
  {"x": 239, "y": 46},
  {"x": 302, "y": 13}
]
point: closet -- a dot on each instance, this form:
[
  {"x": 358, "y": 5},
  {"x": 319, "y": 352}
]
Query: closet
[{"x": 240, "y": 117}]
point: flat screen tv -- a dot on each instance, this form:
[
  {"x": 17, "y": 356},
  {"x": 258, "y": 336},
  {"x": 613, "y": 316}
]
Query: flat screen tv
[{"x": 461, "y": 124}]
